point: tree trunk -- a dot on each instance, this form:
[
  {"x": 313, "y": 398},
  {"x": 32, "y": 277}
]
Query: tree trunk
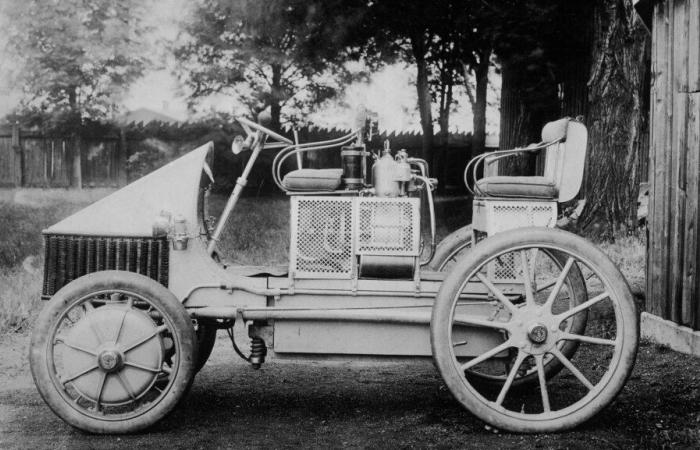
[
  {"x": 481, "y": 73},
  {"x": 276, "y": 98},
  {"x": 424, "y": 101},
  {"x": 439, "y": 162},
  {"x": 519, "y": 123},
  {"x": 617, "y": 118}
]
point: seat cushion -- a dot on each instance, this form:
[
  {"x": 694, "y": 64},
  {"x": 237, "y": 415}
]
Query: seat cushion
[
  {"x": 313, "y": 180},
  {"x": 522, "y": 187}
]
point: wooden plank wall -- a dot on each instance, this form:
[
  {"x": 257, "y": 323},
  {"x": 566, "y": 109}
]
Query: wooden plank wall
[
  {"x": 7, "y": 162},
  {"x": 59, "y": 162},
  {"x": 673, "y": 252}
]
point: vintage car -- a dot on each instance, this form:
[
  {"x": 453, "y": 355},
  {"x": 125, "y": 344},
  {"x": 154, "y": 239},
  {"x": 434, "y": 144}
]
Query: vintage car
[{"x": 532, "y": 328}]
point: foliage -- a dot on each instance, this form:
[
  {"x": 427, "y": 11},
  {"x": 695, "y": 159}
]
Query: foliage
[
  {"x": 75, "y": 57},
  {"x": 277, "y": 54}
]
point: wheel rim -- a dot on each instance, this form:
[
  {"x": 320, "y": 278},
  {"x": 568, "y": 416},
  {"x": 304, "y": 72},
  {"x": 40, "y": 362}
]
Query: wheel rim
[
  {"x": 113, "y": 355},
  {"x": 533, "y": 330},
  {"x": 453, "y": 257}
]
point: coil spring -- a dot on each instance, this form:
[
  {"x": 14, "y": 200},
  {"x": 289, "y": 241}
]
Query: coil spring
[{"x": 258, "y": 350}]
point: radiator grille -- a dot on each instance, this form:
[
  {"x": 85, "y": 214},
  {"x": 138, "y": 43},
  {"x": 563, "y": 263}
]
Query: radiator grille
[{"x": 70, "y": 257}]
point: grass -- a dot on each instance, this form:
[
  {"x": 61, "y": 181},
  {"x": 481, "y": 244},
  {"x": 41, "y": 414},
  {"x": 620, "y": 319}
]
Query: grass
[
  {"x": 257, "y": 234},
  {"x": 628, "y": 252},
  {"x": 21, "y": 257}
]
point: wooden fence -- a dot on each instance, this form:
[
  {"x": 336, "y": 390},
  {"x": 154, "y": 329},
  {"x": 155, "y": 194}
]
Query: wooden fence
[
  {"x": 34, "y": 160},
  {"x": 673, "y": 253}
]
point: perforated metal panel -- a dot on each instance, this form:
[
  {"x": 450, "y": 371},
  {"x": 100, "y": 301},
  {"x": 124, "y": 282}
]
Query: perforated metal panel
[
  {"x": 322, "y": 237},
  {"x": 493, "y": 216},
  {"x": 388, "y": 226}
]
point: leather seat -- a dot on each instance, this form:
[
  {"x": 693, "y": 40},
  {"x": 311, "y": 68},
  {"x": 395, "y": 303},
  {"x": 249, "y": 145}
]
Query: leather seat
[
  {"x": 309, "y": 180},
  {"x": 518, "y": 187}
]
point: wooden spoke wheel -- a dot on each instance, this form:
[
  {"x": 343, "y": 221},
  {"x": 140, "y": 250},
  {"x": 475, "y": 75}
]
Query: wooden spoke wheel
[
  {"x": 537, "y": 330},
  {"x": 573, "y": 292},
  {"x": 113, "y": 352}
]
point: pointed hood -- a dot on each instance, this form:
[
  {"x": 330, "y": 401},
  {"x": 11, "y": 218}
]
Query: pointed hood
[{"x": 132, "y": 210}]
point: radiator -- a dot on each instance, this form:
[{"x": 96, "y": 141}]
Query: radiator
[{"x": 70, "y": 257}]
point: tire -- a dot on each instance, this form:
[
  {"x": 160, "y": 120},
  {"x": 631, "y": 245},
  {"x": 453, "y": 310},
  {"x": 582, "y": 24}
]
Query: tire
[
  {"x": 456, "y": 245},
  {"x": 205, "y": 332},
  {"x": 606, "y": 352},
  {"x": 449, "y": 249},
  {"x": 135, "y": 346}
]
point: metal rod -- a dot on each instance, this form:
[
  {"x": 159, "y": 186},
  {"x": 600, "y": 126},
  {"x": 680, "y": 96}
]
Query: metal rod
[
  {"x": 296, "y": 142},
  {"x": 235, "y": 195},
  {"x": 223, "y": 312}
]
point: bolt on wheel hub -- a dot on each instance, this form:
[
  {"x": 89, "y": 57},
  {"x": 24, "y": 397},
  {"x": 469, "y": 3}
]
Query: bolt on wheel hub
[
  {"x": 537, "y": 333},
  {"x": 110, "y": 360}
]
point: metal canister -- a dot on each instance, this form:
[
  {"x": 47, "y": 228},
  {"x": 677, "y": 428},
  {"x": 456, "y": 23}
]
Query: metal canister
[
  {"x": 384, "y": 176},
  {"x": 352, "y": 157}
]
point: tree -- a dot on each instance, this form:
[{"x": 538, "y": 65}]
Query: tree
[
  {"x": 276, "y": 54},
  {"x": 581, "y": 58},
  {"x": 617, "y": 116},
  {"x": 75, "y": 57}
]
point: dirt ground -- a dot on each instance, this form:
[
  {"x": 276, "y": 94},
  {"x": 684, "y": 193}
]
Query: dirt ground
[{"x": 334, "y": 404}]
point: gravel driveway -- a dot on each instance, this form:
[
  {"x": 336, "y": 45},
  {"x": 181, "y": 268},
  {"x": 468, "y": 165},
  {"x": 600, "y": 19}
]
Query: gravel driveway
[{"x": 333, "y": 404}]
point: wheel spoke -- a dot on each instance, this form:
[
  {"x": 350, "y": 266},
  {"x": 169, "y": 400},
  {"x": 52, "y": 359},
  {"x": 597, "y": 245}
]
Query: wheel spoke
[
  {"x": 88, "y": 306},
  {"x": 569, "y": 365},
  {"x": 121, "y": 325},
  {"x": 458, "y": 344},
  {"x": 565, "y": 315},
  {"x": 543, "y": 383},
  {"x": 78, "y": 375},
  {"x": 546, "y": 285},
  {"x": 155, "y": 333},
  {"x": 484, "y": 356},
  {"x": 100, "y": 388},
  {"x": 511, "y": 376},
  {"x": 96, "y": 332},
  {"x": 587, "y": 339},
  {"x": 139, "y": 366},
  {"x": 529, "y": 296},
  {"x": 497, "y": 292},
  {"x": 560, "y": 282},
  {"x": 73, "y": 346},
  {"x": 125, "y": 384},
  {"x": 472, "y": 321}
]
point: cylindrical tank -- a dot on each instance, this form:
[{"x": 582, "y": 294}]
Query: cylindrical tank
[
  {"x": 352, "y": 159},
  {"x": 384, "y": 176}
]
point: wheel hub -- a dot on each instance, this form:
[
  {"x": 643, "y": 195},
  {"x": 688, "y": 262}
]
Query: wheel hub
[
  {"x": 110, "y": 360},
  {"x": 537, "y": 333}
]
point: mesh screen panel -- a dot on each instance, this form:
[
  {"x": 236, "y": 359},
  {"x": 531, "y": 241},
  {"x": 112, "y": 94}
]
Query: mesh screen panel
[
  {"x": 388, "y": 227},
  {"x": 322, "y": 237}
]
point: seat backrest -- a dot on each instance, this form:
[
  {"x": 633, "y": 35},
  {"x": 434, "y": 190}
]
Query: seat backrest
[{"x": 565, "y": 160}]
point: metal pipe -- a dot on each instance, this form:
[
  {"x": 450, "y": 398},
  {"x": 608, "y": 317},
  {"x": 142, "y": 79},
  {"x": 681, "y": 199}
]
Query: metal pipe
[
  {"x": 296, "y": 142},
  {"x": 345, "y": 315},
  {"x": 274, "y": 292},
  {"x": 431, "y": 207}
]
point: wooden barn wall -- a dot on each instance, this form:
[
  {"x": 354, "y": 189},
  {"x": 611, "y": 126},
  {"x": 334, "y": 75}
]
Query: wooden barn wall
[{"x": 673, "y": 253}]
